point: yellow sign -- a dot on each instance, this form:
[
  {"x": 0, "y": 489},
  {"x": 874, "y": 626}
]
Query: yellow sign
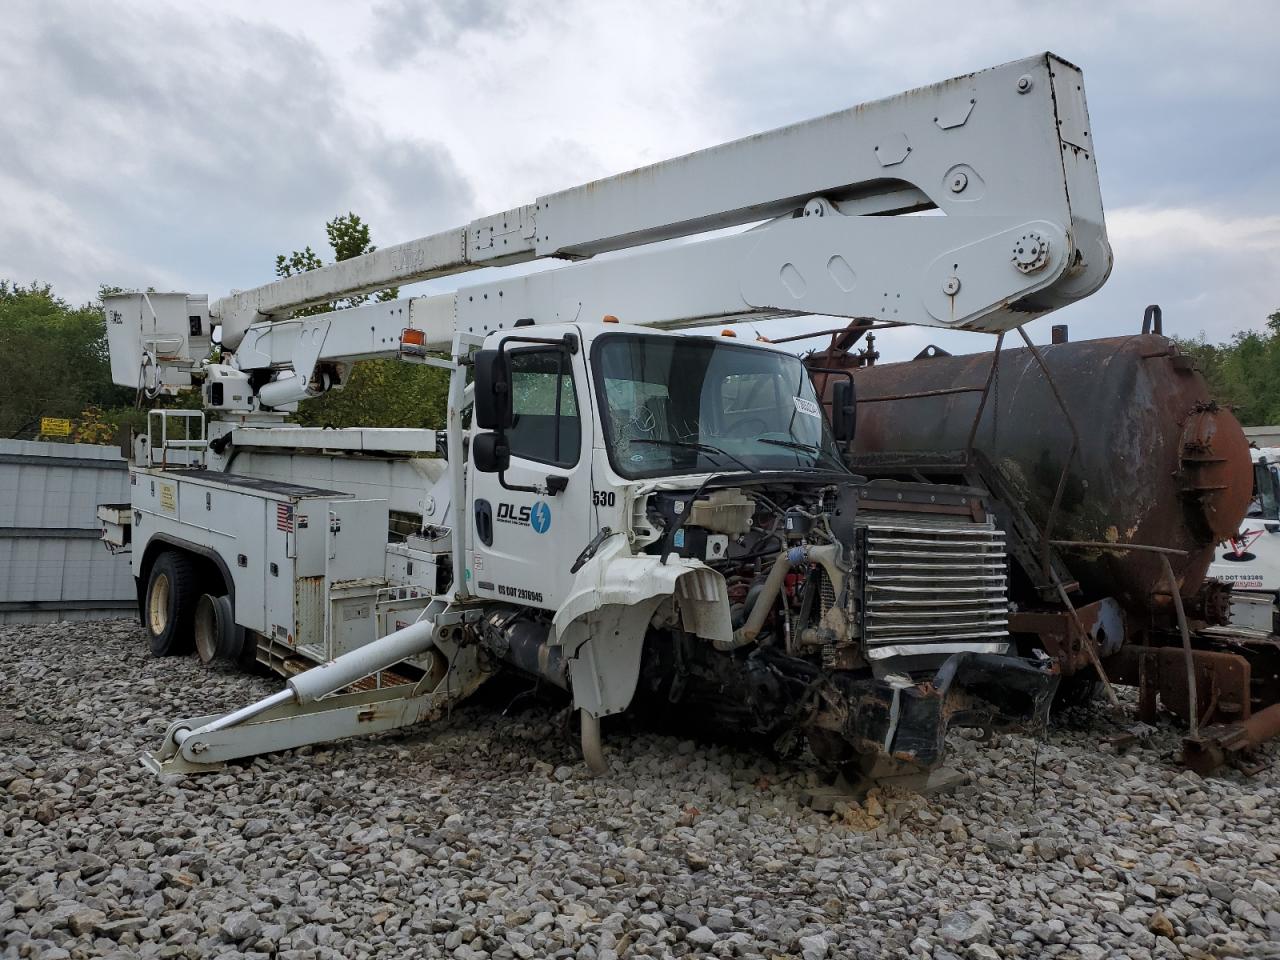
[
  {"x": 168, "y": 498},
  {"x": 55, "y": 427}
]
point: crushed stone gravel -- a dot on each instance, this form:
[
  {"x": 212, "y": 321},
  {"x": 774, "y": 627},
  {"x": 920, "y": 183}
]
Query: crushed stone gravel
[{"x": 480, "y": 836}]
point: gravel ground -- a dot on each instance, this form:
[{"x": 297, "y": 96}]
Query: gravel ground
[{"x": 479, "y": 836}]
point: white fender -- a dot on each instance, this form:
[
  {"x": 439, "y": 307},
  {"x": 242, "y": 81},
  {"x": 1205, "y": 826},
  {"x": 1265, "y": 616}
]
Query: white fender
[{"x": 602, "y": 624}]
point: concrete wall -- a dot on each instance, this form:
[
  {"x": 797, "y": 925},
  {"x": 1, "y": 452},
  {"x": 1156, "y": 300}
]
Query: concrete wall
[{"x": 52, "y": 565}]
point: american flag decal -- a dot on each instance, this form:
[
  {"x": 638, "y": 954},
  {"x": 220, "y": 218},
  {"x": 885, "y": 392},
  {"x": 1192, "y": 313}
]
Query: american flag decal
[{"x": 284, "y": 517}]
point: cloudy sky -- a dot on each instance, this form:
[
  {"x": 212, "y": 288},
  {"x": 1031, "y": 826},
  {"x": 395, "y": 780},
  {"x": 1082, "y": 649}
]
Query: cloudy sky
[{"x": 183, "y": 145}]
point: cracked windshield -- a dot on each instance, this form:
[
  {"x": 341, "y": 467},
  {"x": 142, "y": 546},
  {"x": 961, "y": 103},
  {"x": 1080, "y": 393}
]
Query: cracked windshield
[{"x": 686, "y": 405}]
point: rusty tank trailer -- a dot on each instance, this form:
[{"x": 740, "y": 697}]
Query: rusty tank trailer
[
  {"x": 1158, "y": 462},
  {"x": 1106, "y": 459}
]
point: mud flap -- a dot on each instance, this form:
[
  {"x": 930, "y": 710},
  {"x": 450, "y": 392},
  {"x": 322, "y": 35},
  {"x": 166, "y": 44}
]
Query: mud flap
[{"x": 906, "y": 723}]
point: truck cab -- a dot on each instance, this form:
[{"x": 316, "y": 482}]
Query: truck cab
[
  {"x": 602, "y": 416},
  {"x": 670, "y": 520},
  {"x": 1250, "y": 561}
]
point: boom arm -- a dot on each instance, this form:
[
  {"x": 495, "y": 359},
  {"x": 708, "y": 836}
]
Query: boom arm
[{"x": 1005, "y": 154}]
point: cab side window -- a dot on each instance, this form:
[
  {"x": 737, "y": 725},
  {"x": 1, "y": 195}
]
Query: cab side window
[{"x": 545, "y": 426}]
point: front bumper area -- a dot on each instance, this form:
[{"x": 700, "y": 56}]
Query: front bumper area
[{"x": 898, "y": 724}]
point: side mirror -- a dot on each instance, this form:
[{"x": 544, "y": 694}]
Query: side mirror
[
  {"x": 492, "y": 403},
  {"x": 490, "y": 452},
  {"x": 844, "y": 411}
]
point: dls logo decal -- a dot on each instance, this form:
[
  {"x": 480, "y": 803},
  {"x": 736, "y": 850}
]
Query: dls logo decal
[
  {"x": 537, "y": 516},
  {"x": 540, "y": 518}
]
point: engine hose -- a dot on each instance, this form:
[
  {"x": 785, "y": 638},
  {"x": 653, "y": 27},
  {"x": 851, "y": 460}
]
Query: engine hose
[
  {"x": 764, "y": 600},
  {"x": 768, "y": 595}
]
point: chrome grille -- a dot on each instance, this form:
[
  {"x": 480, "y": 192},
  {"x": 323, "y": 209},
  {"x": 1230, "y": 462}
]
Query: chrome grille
[{"x": 933, "y": 586}]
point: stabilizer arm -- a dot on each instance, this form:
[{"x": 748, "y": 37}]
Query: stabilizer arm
[{"x": 308, "y": 710}]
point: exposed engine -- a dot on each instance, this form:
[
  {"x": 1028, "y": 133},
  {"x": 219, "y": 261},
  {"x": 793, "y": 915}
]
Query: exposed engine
[
  {"x": 867, "y": 619},
  {"x": 861, "y": 611}
]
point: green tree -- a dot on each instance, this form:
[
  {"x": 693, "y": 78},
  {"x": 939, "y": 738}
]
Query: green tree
[
  {"x": 348, "y": 237},
  {"x": 380, "y": 393},
  {"x": 1244, "y": 372},
  {"x": 53, "y": 360}
]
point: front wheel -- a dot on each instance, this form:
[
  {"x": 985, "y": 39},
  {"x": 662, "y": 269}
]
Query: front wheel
[{"x": 169, "y": 604}]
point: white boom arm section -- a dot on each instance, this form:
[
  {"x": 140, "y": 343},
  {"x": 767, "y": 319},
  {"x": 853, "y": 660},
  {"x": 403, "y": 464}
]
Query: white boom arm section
[{"x": 1004, "y": 153}]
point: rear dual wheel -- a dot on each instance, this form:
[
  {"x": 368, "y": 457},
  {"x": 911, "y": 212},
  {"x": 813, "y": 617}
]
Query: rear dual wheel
[
  {"x": 215, "y": 629},
  {"x": 179, "y": 616},
  {"x": 168, "y": 609}
]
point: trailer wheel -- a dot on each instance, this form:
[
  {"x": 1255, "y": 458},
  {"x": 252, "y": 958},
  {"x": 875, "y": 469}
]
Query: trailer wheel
[{"x": 170, "y": 604}]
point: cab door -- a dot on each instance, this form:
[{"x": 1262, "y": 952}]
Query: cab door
[{"x": 520, "y": 543}]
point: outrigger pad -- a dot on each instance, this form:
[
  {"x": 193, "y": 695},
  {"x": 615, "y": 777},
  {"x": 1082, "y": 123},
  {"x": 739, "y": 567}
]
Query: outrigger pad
[{"x": 907, "y": 725}]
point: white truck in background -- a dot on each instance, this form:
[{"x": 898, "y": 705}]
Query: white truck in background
[
  {"x": 620, "y": 509},
  {"x": 1250, "y": 561}
]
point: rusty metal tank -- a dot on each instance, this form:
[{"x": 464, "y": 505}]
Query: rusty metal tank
[{"x": 1158, "y": 463}]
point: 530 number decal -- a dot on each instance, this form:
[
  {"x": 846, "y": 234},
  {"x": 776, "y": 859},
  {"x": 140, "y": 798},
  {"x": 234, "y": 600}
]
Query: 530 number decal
[{"x": 604, "y": 498}]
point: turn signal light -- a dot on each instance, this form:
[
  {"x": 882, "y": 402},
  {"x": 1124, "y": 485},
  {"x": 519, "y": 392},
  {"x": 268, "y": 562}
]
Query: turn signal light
[{"x": 413, "y": 343}]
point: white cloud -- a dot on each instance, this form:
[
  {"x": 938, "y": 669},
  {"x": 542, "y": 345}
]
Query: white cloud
[
  {"x": 143, "y": 156},
  {"x": 171, "y": 140},
  {"x": 1155, "y": 234},
  {"x": 44, "y": 239}
]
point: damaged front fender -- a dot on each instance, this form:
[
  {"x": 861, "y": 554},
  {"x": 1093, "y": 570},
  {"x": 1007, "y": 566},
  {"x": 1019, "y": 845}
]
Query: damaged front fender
[{"x": 602, "y": 625}]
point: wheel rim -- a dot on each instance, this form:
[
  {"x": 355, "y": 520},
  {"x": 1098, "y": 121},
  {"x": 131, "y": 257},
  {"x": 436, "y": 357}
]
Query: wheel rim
[
  {"x": 158, "y": 607},
  {"x": 206, "y": 630}
]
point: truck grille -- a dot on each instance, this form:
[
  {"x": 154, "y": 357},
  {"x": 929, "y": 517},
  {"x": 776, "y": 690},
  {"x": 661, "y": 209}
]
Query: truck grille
[{"x": 933, "y": 586}]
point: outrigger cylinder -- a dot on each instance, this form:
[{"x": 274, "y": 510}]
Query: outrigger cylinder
[{"x": 359, "y": 663}]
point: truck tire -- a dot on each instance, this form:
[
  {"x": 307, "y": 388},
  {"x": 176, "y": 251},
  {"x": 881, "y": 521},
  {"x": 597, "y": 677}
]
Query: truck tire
[
  {"x": 169, "y": 605},
  {"x": 248, "y": 657},
  {"x": 214, "y": 629}
]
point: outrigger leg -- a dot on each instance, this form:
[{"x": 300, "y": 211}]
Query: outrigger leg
[{"x": 309, "y": 710}]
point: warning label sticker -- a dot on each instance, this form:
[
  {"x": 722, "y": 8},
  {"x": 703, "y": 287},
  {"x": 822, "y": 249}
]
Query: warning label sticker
[{"x": 806, "y": 406}]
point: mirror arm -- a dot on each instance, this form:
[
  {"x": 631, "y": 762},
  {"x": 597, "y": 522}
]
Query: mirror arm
[
  {"x": 833, "y": 371},
  {"x": 552, "y": 486},
  {"x": 515, "y": 487},
  {"x": 569, "y": 341}
]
